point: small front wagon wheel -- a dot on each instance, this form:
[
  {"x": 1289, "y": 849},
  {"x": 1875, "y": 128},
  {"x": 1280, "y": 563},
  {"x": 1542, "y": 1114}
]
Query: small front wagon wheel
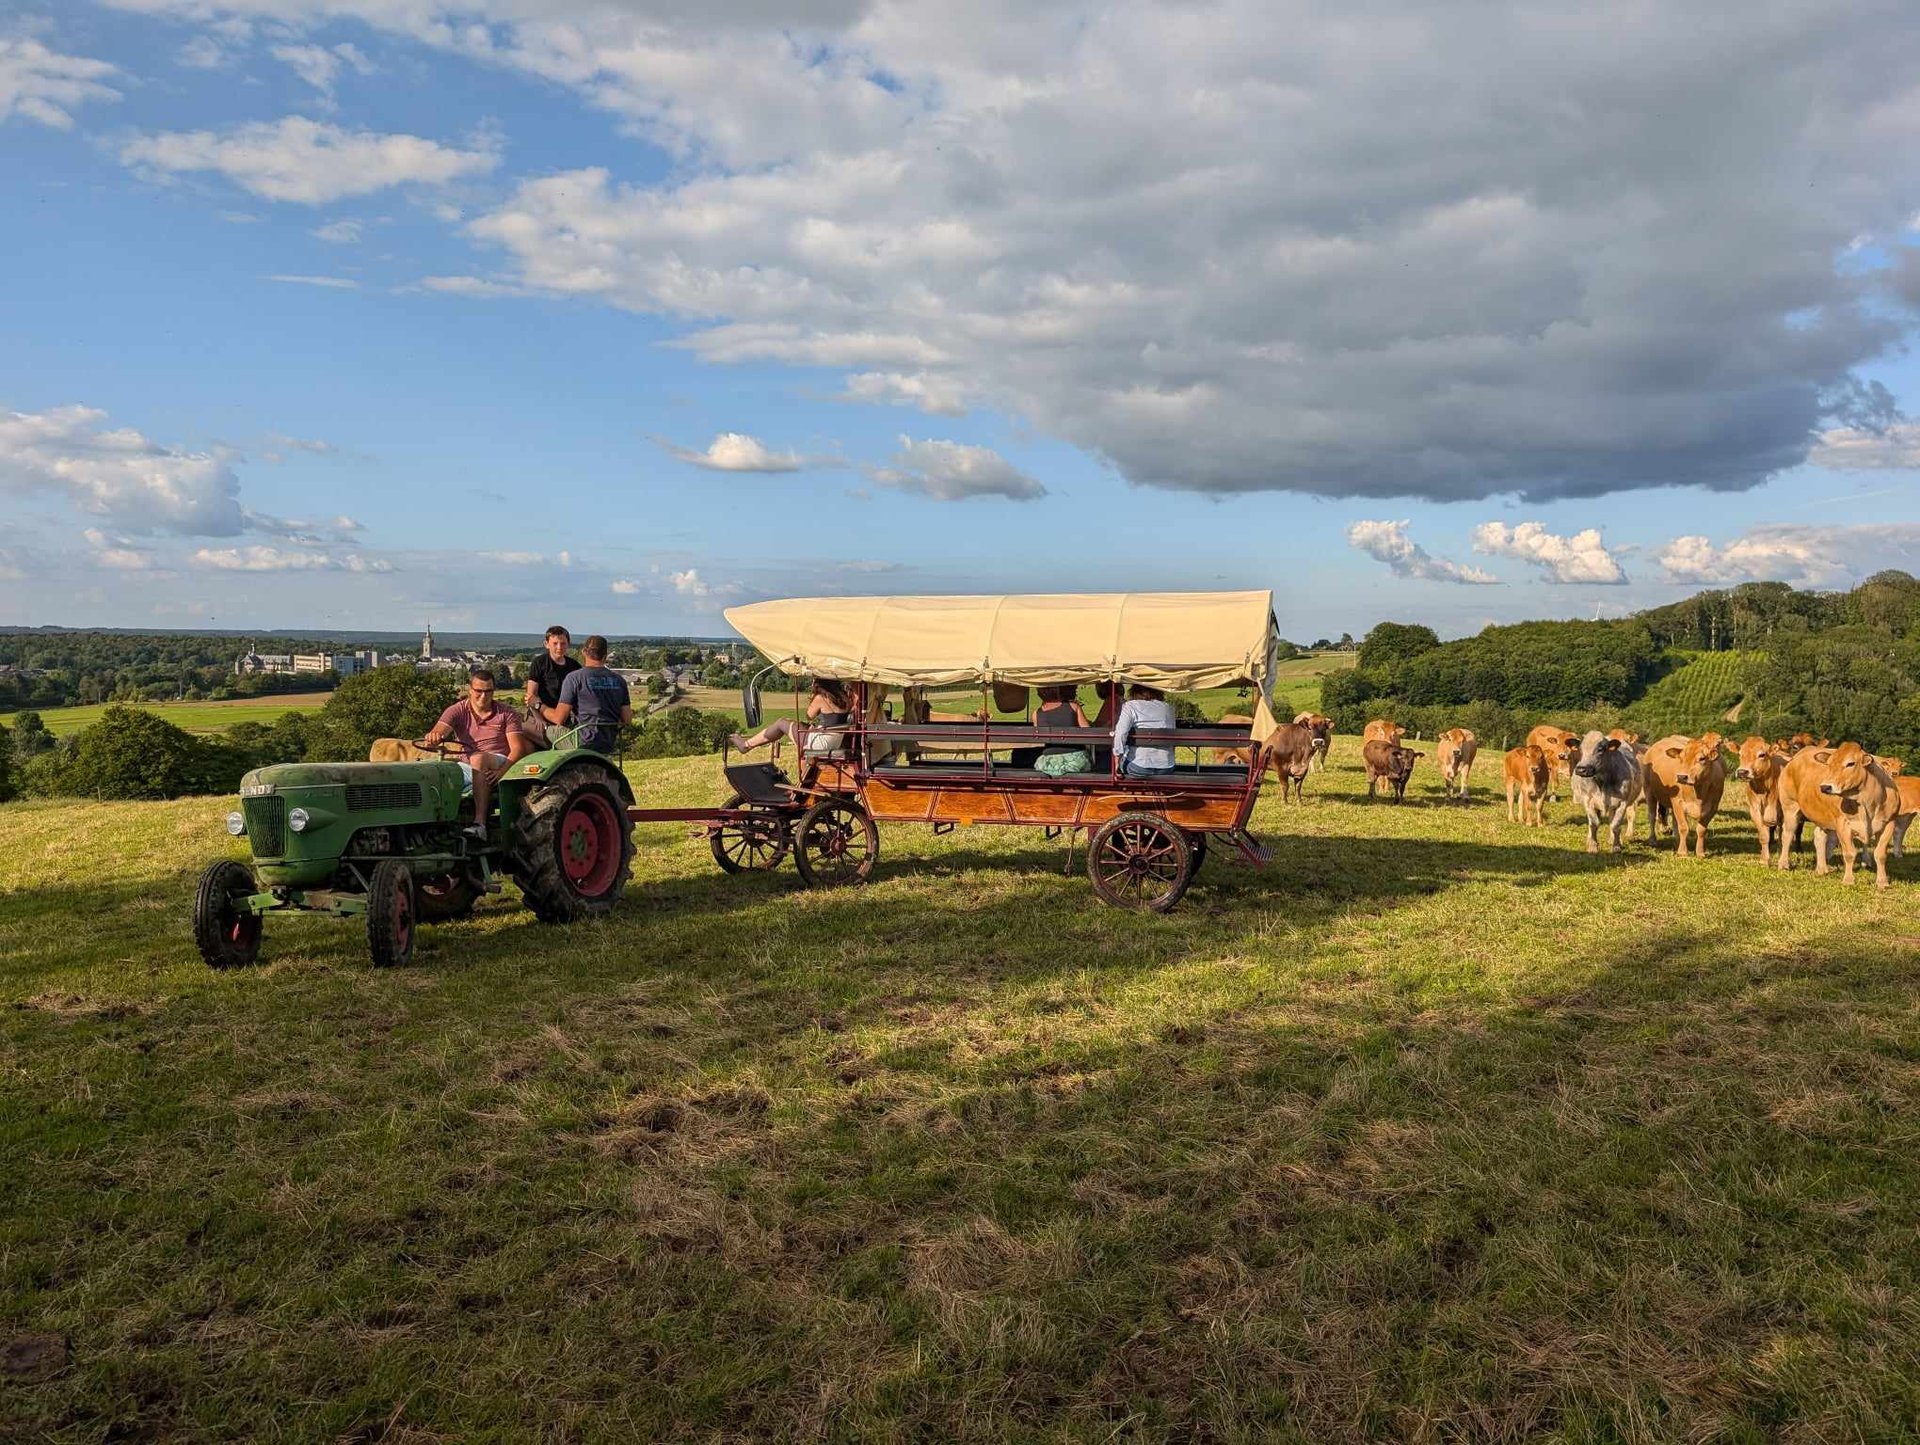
[
  {"x": 225, "y": 930},
  {"x": 393, "y": 914},
  {"x": 753, "y": 843},
  {"x": 835, "y": 843},
  {"x": 1139, "y": 860}
]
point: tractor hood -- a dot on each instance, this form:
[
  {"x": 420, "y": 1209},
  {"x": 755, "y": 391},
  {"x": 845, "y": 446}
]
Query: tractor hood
[{"x": 337, "y": 800}]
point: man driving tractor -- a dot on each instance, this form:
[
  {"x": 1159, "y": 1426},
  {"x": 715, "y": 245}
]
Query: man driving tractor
[{"x": 489, "y": 737}]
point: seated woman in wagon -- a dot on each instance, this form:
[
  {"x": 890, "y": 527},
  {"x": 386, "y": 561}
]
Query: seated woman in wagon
[
  {"x": 829, "y": 711},
  {"x": 1059, "y": 710}
]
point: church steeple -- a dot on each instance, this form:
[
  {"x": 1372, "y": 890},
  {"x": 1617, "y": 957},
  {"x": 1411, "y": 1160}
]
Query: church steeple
[{"x": 426, "y": 642}]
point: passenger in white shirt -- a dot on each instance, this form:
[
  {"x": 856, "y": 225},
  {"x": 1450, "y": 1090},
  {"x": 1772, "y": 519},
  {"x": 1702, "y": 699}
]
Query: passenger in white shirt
[{"x": 1145, "y": 708}]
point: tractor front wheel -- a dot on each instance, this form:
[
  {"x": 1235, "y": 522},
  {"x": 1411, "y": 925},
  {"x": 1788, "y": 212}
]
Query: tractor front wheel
[
  {"x": 573, "y": 847},
  {"x": 227, "y": 934},
  {"x": 393, "y": 914}
]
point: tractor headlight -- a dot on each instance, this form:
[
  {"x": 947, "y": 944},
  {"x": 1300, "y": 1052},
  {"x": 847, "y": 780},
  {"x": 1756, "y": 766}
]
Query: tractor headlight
[
  {"x": 298, "y": 820},
  {"x": 236, "y": 824}
]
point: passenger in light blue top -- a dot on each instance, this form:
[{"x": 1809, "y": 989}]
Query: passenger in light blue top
[{"x": 1145, "y": 708}]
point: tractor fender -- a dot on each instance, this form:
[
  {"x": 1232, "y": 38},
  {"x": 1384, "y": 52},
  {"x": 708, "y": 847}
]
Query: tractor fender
[{"x": 537, "y": 768}]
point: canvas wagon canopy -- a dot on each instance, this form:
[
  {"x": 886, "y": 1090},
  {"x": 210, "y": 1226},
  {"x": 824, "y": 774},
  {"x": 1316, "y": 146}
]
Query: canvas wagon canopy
[{"x": 1176, "y": 641}]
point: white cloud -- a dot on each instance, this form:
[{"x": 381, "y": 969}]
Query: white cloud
[
  {"x": 114, "y": 553},
  {"x": 304, "y": 444},
  {"x": 143, "y": 485},
  {"x": 202, "y": 52},
  {"x": 320, "y": 66},
  {"x": 1388, "y": 542},
  {"x": 340, "y": 233},
  {"x": 43, "y": 85},
  {"x": 953, "y": 471},
  {"x": 478, "y": 287},
  {"x": 1896, "y": 448},
  {"x": 1215, "y": 246},
  {"x": 305, "y": 161},
  {"x": 938, "y": 395},
  {"x": 325, "y": 283},
  {"x": 625, "y": 587},
  {"x": 733, "y": 451},
  {"x": 285, "y": 559},
  {"x": 1582, "y": 557},
  {"x": 1808, "y": 556},
  {"x": 528, "y": 559}
]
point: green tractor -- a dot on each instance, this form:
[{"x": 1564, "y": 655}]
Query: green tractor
[{"x": 389, "y": 842}]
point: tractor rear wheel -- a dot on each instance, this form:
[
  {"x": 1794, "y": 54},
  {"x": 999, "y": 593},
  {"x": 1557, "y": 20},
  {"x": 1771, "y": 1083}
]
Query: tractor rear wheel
[
  {"x": 755, "y": 843},
  {"x": 393, "y": 914},
  {"x": 836, "y": 842},
  {"x": 1140, "y": 860},
  {"x": 573, "y": 847},
  {"x": 227, "y": 935}
]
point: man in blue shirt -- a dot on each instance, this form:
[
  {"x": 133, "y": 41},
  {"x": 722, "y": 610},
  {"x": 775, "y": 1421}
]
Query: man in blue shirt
[{"x": 594, "y": 699}]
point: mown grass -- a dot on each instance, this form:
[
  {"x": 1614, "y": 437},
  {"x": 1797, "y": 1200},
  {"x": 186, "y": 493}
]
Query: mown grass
[
  {"x": 195, "y": 717},
  {"x": 1438, "y": 1129}
]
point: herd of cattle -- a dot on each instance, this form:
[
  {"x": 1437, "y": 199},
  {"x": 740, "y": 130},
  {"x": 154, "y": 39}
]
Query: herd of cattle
[{"x": 1849, "y": 796}]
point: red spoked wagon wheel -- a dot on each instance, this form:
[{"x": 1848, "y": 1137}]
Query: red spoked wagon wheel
[
  {"x": 1140, "y": 860},
  {"x": 227, "y": 935},
  {"x": 836, "y": 842},
  {"x": 753, "y": 844}
]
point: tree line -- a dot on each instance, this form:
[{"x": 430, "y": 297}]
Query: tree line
[
  {"x": 131, "y": 753},
  {"x": 1834, "y": 664}
]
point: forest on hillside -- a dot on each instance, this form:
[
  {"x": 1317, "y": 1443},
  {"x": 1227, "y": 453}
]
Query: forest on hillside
[{"x": 1763, "y": 657}]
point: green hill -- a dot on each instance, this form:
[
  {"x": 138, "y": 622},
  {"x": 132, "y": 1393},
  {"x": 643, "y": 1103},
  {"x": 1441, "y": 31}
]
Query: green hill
[{"x": 1705, "y": 692}]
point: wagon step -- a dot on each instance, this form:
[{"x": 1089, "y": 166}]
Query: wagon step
[{"x": 1251, "y": 848}]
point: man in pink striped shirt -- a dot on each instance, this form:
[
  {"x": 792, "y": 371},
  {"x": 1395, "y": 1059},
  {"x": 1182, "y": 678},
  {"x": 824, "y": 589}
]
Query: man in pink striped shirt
[{"x": 489, "y": 737}]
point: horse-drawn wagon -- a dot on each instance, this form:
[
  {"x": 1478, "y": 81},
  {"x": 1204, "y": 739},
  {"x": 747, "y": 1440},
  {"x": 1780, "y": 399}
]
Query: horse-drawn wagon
[{"x": 888, "y": 762}]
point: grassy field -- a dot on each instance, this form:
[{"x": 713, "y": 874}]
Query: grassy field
[
  {"x": 1438, "y": 1129},
  {"x": 195, "y": 717}
]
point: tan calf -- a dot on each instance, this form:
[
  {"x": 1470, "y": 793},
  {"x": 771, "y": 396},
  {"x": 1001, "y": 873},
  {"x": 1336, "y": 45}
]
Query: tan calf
[
  {"x": 1528, "y": 775},
  {"x": 1561, "y": 748},
  {"x": 1382, "y": 731},
  {"x": 1454, "y": 750},
  {"x": 1698, "y": 783},
  {"x": 1759, "y": 767}
]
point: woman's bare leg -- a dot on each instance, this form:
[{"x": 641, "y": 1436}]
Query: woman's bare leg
[{"x": 773, "y": 732}]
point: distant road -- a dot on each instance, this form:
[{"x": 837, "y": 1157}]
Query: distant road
[{"x": 195, "y": 717}]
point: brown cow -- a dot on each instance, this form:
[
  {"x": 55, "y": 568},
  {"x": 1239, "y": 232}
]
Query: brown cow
[
  {"x": 1759, "y": 768},
  {"x": 1288, "y": 753},
  {"x": 1380, "y": 730},
  {"x": 1844, "y": 791},
  {"x": 1698, "y": 783},
  {"x": 1528, "y": 775},
  {"x": 1389, "y": 762},
  {"x": 1909, "y": 789},
  {"x": 1628, "y": 736},
  {"x": 1455, "y": 750},
  {"x": 1660, "y": 763},
  {"x": 1561, "y": 748},
  {"x": 1321, "y": 726},
  {"x": 1892, "y": 765}
]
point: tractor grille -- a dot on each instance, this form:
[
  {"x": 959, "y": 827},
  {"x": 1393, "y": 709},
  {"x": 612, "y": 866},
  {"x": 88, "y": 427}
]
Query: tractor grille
[
  {"x": 266, "y": 825},
  {"x": 381, "y": 797}
]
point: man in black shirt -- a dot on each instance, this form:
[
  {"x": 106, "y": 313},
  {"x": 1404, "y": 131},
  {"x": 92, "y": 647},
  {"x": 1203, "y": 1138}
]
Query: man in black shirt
[{"x": 549, "y": 670}]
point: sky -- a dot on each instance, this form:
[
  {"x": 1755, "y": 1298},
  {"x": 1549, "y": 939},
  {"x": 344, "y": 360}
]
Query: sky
[{"x": 497, "y": 313}]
